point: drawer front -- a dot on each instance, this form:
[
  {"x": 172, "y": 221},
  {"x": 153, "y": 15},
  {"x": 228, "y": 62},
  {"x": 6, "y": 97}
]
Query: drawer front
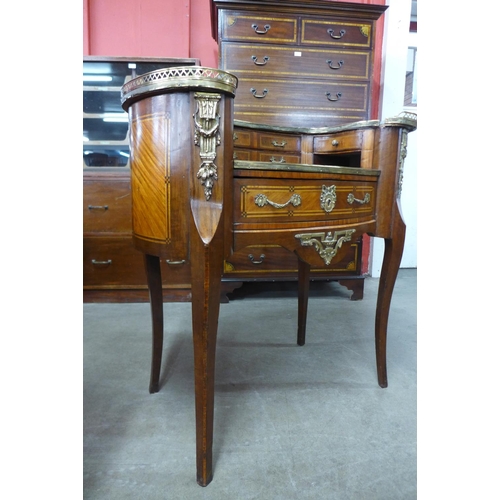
[
  {"x": 272, "y": 141},
  {"x": 259, "y": 28},
  {"x": 107, "y": 207},
  {"x": 265, "y": 261},
  {"x": 295, "y": 62},
  {"x": 336, "y": 33},
  {"x": 272, "y": 95},
  {"x": 256, "y": 155},
  {"x": 114, "y": 262},
  {"x": 271, "y": 200},
  {"x": 345, "y": 141}
]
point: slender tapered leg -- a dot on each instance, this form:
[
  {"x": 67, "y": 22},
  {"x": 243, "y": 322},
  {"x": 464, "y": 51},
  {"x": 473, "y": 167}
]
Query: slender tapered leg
[
  {"x": 304, "y": 271},
  {"x": 390, "y": 266},
  {"x": 206, "y": 274},
  {"x": 153, "y": 272}
]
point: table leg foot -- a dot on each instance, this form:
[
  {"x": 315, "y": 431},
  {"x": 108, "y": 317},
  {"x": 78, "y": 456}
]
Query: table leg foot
[
  {"x": 303, "y": 282},
  {"x": 153, "y": 273}
]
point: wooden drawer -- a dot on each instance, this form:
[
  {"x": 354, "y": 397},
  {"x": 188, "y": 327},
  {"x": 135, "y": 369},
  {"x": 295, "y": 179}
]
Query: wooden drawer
[
  {"x": 345, "y": 141},
  {"x": 107, "y": 206},
  {"x": 272, "y": 141},
  {"x": 271, "y": 200},
  {"x": 256, "y": 155},
  {"x": 257, "y": 28},
  {"x": 296, "y": 62},
  {"x": 266, "y": 261},
  {"x": 114, "y": 262},
  {"x": 270, "y": 95},
  {"x": 336, "y": 32}
]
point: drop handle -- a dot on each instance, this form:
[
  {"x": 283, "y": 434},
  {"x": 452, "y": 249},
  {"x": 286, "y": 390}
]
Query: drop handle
[
  {"x": 255, "y": 27},
  {"x": 261, "y": 96},
  {"x": 328, "y": 96},
  {"x": 101, "y": 262},
  {"x": 98, "y": 207},
  {"x": 340, "y": 64},
  {"x": 337, "y": 37},
  {"x": 263, "y": 63},
  {"x": 256, "y": 262},
  {"x": 175, "y": 262}
]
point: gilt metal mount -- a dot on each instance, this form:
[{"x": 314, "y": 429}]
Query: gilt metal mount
[{"x": 326, "y": 244}]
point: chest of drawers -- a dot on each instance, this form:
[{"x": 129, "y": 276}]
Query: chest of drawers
[{"x": 306, "y": 63}]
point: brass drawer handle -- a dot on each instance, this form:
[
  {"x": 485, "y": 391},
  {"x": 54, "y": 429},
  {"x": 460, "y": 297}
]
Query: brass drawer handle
[
  {"x": 274, "y": 160},
  {"x": 175, "y": 262},
  {"x": 335, "y": 142},
  {"x": 340, "y": 64},
  {"x": 337, "y": 37},
  {"x": 281, "y": 144},
  {"x": 338, "y": 94},
  {"x": 264, "y": 59},
  {"x": 255, "y": 27},
  {"x": 261, "y": 200},
  {"x": 98, "y": 207},
  {"x": 351, "y": 199},
  {"x": 256, "y": 262},
  {"x": 261, "y": 96},
  {"x": 101, "y": 262}
]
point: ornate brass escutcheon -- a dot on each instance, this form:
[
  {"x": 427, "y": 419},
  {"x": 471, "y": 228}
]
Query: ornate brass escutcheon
[
  {"x": 325, "y": 244},
  {"x": 328, "y": 197}
]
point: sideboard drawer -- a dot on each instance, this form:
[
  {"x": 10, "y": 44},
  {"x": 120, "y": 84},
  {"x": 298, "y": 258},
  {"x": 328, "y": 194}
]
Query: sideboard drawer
[
  {"x": 336, "y": 32},
  {"x": 267, "y": 200},
  {"x": 259, "y": 28},
  {"x": 107, "y": 207}
]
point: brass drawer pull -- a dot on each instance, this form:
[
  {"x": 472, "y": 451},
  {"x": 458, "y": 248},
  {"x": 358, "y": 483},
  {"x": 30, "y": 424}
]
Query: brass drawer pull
[
  {"x": 351, "y": 199},
  {"x": 340, "y": 64},
  {"x": 263, "y": 63},
  {"x": 256, "y": 262},
  {"x": 335, "y": 142},
  {"x": 255, "y": 27},
  {"x": 175, "y": 262},
  {"x": 274, "y": 160},
  {"x": 281, "y": 144},
  {"x": 331, "y": 31},
  {"x": 101, "y": 262},
  {"x": 261, "y": 96},
  {"x": 261, "y": 200},
  {"x": 98, "y": 207},
  {"x": 328, "y": 94}
]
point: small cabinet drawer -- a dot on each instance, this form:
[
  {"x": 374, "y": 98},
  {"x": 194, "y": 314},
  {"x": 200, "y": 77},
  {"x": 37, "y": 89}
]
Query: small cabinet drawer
[
  {"x": 263, "y": 261},
  {"x": 258, "y": 28},
  {"x": 271, "y": 200},
  {"x": 336, "y": 32},
  {"x": 272, "y": 141},
  {"x": 296, "y": 62},
  {"x": 107, "y": 207},
  {"x": 345, "y": 141},
  {"x": 256, "y": 155}
]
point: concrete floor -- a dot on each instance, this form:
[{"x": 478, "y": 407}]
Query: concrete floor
[{"x": 290, "y": 422}]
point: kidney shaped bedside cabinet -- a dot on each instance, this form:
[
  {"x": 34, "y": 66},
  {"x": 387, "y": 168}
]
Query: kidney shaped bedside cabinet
[{"x": 193, "y": 205}]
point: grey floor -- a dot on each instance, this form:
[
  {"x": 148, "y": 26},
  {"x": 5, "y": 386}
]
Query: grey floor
[{"x": 290, "y": 422}]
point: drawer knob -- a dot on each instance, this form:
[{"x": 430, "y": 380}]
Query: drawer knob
[
  {"x": 339, "y": 64},
  {"x": 335, "y": 142},
  {"x": 261, "y": 200},
  {"x": 101, "y": 262},
  {"x": 98, "y": 207},
  {"x": 328, "y": 96},
  {"x": 256, "y": 262},
  {"x": 263, "y": 63},
  {"x": 337, "y": 37},
  {"x": 255, "y": 27},
  {"x": 261, "y": 96}
]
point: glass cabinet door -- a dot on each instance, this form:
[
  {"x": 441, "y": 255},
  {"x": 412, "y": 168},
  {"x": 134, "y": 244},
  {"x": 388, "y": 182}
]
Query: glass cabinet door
[{"x": 105, "y": 124}]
